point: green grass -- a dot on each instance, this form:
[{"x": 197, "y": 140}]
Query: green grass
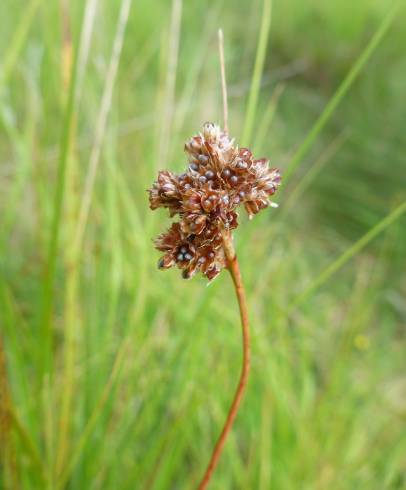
[{"x": 120, "y": 375}]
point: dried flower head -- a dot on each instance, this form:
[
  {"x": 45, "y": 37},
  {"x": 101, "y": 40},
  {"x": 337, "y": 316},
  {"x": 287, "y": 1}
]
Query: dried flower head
[{"x": 219, "y": 178}]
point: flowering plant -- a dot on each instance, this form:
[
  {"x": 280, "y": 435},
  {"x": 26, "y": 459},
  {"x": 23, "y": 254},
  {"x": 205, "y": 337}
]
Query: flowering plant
[{"x": 219, "y": 178}]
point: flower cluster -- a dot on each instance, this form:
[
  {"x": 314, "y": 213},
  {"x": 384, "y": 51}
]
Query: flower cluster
[{"x": 219, "y": 178}]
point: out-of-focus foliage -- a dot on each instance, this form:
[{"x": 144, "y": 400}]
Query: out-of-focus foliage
[{"x": 121, "y": 375}]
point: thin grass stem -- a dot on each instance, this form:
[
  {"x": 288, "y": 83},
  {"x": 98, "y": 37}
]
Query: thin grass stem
[
  {"x": 223, "y": 79},
  {"x": 102, "y": 122},
  {"x": 234, "y": 270},
  {"x": 340, "y": 93},
  {"x": 257, "y": 73},
  {"x": 83, "y": 439},
  {"x": 347, "y": 255},
  {"x": 17, "y": 41},
  {"x": 170, "y": 81},
  {"x": 72, "y": 307}
]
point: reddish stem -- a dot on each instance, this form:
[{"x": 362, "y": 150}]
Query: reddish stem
[{"x": 234, "y": 270}]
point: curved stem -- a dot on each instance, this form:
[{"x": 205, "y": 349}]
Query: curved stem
[{"x": 234, "y": 269}]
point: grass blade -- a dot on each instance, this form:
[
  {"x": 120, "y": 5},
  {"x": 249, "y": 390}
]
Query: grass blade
[
  {"x": 257, "y": 73},
  {"x": 170, "y": 82},
  {"x": 102, "y": 122},
  {"x": 313, "y": 171},
  {"x": 50, "y": 268},
  {"x": 348, "y": 254},
  {"x": 72, "y": 288},
  {"x": 95, "y": 414},
  {"x": 17, "y": 42},
  {"x": 340, "y": 93}
]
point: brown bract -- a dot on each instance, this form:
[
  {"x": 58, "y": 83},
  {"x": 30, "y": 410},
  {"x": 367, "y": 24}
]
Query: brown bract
[{"x": 220, "y": 177}]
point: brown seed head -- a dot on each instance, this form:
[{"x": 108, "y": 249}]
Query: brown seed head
[{"x": 220, "y": 176}]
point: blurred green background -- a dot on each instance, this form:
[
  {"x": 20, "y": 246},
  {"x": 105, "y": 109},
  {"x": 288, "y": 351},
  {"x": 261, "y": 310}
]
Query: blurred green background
[{"x": 118, "y": 376}]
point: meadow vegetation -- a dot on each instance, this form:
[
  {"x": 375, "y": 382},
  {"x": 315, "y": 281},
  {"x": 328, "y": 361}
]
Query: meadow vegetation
[{"x": 119, "y": 376}]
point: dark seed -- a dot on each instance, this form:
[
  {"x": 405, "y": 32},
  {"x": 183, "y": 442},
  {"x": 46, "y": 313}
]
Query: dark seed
[
  {"x": 180, "y": 258},
  {"x": 203, "y": 158},
  {"x": 202, "y": 179},
  {"x": 202, "y": 260},
  {"x": 226, "y": 173},
  {"x": 194, "y": 166},
  {"x": 161, "y": 263},
  {"x": 183, "y": 250},
  {"x": 234, "y": 179},
  {"x": 209, "y": 174},
  {"x": 211, "y": 255},
  {"x": 188, "y": 257}
]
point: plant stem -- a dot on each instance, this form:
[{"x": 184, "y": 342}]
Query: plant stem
[
  {"x": 223, "y": 80},
  {"x": 234, "y": 269}
]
